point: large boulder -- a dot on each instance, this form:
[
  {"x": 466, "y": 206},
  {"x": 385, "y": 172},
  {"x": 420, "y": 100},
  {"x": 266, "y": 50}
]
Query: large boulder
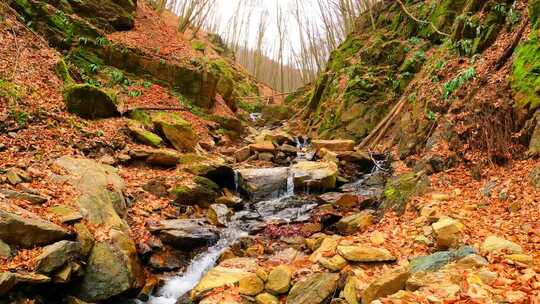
[
  {"x": 112, "y": 269},
  {"x": 315, "y": 175},
  {"x": 228, "y": 272},
  {"x": 26, "y": 229},
  {"x": 264, "y": 183},
  {"x": 57, "y": 255},
  {"x": 90, "y": 102},
  {"x": 185, "y": 233},
  {"x": 314, "y": 289},
  {"x": 177, "y": 131}
]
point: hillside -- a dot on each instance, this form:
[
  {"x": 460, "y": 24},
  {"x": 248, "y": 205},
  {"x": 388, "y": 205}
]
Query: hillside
[{"x": 142, "y": 165}]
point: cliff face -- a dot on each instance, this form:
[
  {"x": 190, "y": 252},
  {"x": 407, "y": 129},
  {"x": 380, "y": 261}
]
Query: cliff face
[{"x": 451, "y": 66}]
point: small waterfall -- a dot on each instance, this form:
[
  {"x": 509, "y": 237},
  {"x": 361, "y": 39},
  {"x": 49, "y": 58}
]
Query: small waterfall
[
  {"x": 290, "y": 184},
  {"x": 177, "y": 287},
  {"x": 236, "y": 181}
]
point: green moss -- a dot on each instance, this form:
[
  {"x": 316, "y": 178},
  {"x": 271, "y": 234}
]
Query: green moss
[
  {"x": 62, "y": 71},
  {"x": 534, "y": 13},
  {"x": 349, "y": 48},
  {"x": 90, "y": 102},
  {"x": 141, "y": 116},
  {"x": 525, "y": 78},
  {"x": 206, "y": 183},
  {"x": 10, "y": 90},
  {"x": 399, "y": 190},
  {"x": 146, "y": 137},
  {"x": 198, "y": 45}
]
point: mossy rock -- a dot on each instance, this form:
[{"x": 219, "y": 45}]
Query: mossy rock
[
  {"x": 62, "y": 70},
  {"x": 90, "y": 102},
  {"x": 202, "y": 193},
  {"x": 525, "y": 78},
  {"x": 230, "y": 123},
  {"x": 178, "y": 131},
  {"x": 146, "y": 137},
  {"x": 273, "y": 113},
  {"x": 534, "y": 13},
  {"x": 400, "y": 189}
]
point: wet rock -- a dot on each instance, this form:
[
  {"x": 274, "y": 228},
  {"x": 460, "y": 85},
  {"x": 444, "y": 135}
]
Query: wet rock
[
  {"x": 167, "y": 260},
  {"x": 242, "y": 154},
  {"x": 389, "y": 283},
  {"x": 355, "y": 223},
  {"x": 447, "y": 232},
  {"x": 203, "y": 192},
  {"x": 400, "y": 189},
  {"x": 315, "y": 175},
  {"x": 5, "y": 250},
  {"x": 228, "y": 272},
  {"x": 263, "y": 183},
  {"x": 494, "y": 243},
  {"x": 266, "y": 298},
  {"x": 365, "y": 254},
  {"x": 7, "y": 282},
  {"x": 28, "y": 230},
  {"x": 177, "y": 131},
  {"x": 263, "y": 147},
  {"x": 90, "y": 102},
  {"x": 146, "y": 137},
  {"x": 336, "y": 145},
  {"x": 32, "y": 198},
  {"x": 218, "y": 215},
  {"x": 314, "y": 289},
  {"x": 250, "y": 285},
  {"x": 57, "y": 255},
  {"x": 66, "y": 214},
  {"x": 163, "y": 158},
  {"x": 185, "y": 233},
  {"x": 112, "y": 269},
  {"x": 343, "y": 200},
  {"x": 279, "y": 280},
  {"x": 439, "y": 259}
]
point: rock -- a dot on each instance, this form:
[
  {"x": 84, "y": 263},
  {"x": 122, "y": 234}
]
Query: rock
[
  {"x": 262, "y": 147},
  {"x": 327, "y": 156},
  {"x": 5, "y": 250},
  {"x": 90, "y": 102},
  {"x": 17, "y": 176},
  {"x": 400, "y": 189},
  {"x": 349, "y": 291},
  {"x": 266, "y": 298},
  {"x": 343, "y": 200},
  {"x": 355, "y": 223},
  {"x": 157, "y": 187},
  {"x": 65, "y": 213},
  {"x": 230, "y": 123},
  {"x": 7, "y": 282},
  {"x": 28, "y": 230},
  {"x": 389, "y": 283},
  {"x": 473, "y": 261},
  {"x": 242, "y": 154},
  {"x": 84, "y": 237},
  {"x": 447, "y": 232},
  {"x": 335, "y": 263},
  {"x": 57, "y": 255},
  {"x": 494, "y": 243},
  {"x": 102, "y": 201},
  {"x": 112, "y": 269},
  {"x": 185, "y": 233},
  {"x": 439, "y": 259},
  {"x": 167, "y": 260},
  {"x": 163, "y": 158},
  {"x": 279, "y": 280},
  {"x": 520, "y": 258},
  {"x": 218, "y": 215},
  {"x": 31, "y": 278},
  {"x": 65, "y": 273},
  {"x": 272, "y": 113},
  {"x": 250, "y": 285},
  {"x": 336, "y": 145},
  {"x": 315, "y": 175},
  {"x": 314, "y": 289},
  {"x": 203, "y": 192},
  {"x": 263, "y": 183},
  {"x": 146, "y": 137},
  {"x": 177, "y": 131},
  {"x": 534, "y": 176},
  {"x": 327, "y": 247},
  {"x": 288, "y": 149},
  {"x": 230, "y": 200},
  {"x": 32, "y": 198},
  {"x": 228, "y": 272},
  {"x": 268, "y": 157},
  {"x": 365, "y": 254}
]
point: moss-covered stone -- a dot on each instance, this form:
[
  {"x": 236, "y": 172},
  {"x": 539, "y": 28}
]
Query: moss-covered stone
[
  {"x": 177, "y": 131},
  {"x": 142, "y": 135},
  {"x": 525, "y": 79},
  {"x": 91, "y": 102},
  {"x": 273, "y": 113},
  {"x": 400, "y": 189},
  {"x": 62, "y": 71}
]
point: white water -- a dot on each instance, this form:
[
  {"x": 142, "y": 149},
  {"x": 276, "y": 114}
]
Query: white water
[{"x": 177, "y": 287}]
